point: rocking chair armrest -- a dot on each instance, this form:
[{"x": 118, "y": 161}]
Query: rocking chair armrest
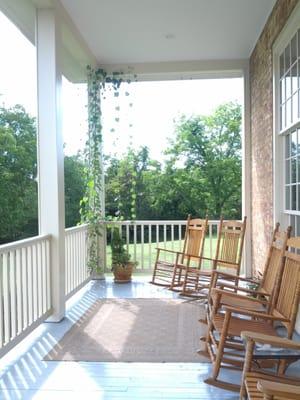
[
  {"x": 179, "y": 253},
  {"x": 216, "y": 260},
  {"x": 208, "y": 258},
  {"x": 237, "y": 296},
  {"x": 169, "y": 251},
  {"x": 282, "y": 390},
  {"x": 223, "y": 274},
  {"x": 254, "y": 314},
  {"x": 240, "y": 278},
  {"x": 243, "y": 289},
  {"x": 233, "y": 276},
  {"x": 204, "y": 272},
  {"x": 272, "y": 340}
]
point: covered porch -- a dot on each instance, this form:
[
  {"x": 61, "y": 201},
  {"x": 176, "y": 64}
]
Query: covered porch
[{"x": 46, "y": 277}]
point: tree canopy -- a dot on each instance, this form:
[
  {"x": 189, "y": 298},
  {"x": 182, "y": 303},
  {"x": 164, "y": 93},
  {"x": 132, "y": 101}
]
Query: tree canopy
[
  {"x": 209, "y": 147},
  {"x": 201, "y": 174},
  {"x": 18, "y": 177}
]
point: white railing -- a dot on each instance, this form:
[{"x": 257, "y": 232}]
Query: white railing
[
  {"x": 25, "y": 292},
  {"x": 143, "y": 237},
  {"x": 25, "y": 269},
  {"x": 75, "y": 259}
]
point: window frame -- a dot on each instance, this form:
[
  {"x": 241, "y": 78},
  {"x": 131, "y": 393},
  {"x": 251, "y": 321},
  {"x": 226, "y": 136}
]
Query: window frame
[{"x": 282, "y": 211}]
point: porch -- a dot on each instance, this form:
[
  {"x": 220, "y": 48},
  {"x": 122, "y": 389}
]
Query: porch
[{"x": 40, "y": 276}]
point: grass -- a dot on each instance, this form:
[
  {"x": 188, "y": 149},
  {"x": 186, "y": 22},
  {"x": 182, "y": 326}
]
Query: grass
[{"x": 146, "y": 255}]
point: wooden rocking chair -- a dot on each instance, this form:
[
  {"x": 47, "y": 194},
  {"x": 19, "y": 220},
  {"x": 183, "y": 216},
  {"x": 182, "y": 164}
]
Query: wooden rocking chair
[
  {"x": 259, "y": 384},
  {"x": 164, "y": 272},
  {"x": 225, "y": 327},
  {"x": 267, "y": 287},
  {"x": 193, "y": 253},
  {"x": 228, "y": 256}
]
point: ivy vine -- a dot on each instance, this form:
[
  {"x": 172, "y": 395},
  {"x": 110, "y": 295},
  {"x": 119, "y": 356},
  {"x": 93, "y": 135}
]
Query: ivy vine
[{"x": 92, "y": 205}]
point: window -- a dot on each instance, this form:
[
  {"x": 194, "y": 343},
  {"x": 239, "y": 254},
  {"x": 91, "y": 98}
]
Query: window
[
  {"x": 287, "y": 125},
  {"x": 289, "y": 66}
]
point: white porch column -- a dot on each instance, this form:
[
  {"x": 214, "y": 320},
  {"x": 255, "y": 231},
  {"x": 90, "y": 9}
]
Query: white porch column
[
  {"x": 246, "y": 174},
  {"x": 50, "y": 151}
]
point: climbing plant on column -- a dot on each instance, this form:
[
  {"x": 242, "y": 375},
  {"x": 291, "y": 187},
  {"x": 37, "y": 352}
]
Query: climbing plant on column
[{"x": 92, "y": 204}]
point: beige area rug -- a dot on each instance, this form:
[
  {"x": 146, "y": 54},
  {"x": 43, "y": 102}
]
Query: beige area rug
[{"x": 137, "y": 330}]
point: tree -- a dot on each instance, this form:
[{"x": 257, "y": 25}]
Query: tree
[
  {"x": 18, "y": 177},
  {"x": 125, "y": 183},
  {"x": 18, "y": 169},
  {"x": 211, "y": 145},
  {"x": 74, "y": 188}
]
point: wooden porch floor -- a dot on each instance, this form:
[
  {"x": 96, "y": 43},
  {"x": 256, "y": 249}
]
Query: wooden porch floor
[{"x": 25, "y": 376}]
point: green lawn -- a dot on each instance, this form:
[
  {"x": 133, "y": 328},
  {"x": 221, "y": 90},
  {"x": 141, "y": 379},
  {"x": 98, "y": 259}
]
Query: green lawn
[{"x": 148, "y": 255}]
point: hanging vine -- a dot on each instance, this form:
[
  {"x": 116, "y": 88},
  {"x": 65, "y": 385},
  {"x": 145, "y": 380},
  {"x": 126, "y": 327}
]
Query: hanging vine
[{"x": 92, "y": 205}]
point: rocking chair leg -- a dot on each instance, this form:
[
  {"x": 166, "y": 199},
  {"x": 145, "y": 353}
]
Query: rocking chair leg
[{"x": 219, "y": 351}]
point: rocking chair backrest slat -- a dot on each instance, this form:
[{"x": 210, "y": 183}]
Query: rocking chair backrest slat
[
  {"x": 195, "y": 237},
  {"x": 275, "y": 261},
  {"x": 230, "y": 244},
  {"x": 289, "y": 294}
]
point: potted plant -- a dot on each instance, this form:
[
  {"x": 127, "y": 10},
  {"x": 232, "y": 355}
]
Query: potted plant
[{"x": 122, "y": 267}]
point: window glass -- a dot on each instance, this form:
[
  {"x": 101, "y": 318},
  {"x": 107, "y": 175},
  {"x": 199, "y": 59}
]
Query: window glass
[
  {"x": 281, "y": 67},
  {"x": 294, "y": 49},
  {"x": 289, "y": 101}
]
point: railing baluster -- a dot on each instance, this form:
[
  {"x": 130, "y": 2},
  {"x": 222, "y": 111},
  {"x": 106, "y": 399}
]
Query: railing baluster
[
  {"x": 210, "y": 240},
  {"x": 19, "y": 285},
  {"x": 30, "y": 286},
  {"x": 134, "y": 241},
  {"x": 142, "y": 246},
  {"x": 67, "y": 262},
  {"x": 172, "y": 240},
  {"x": 76, "y": 262},
  {"x": 40, "y": 279},
  {"x": 12, "y": 287},
  {"x": 35, "y": 282},
  {"x": 180, "y": 235},
  {"x": 80, "y": 269},
  {"x": 6, "y": 299},
  {"x": 48, "y": 266},
  {"x": 127, "y": 237},
  {"x": 150, "y": 245},
  {"x": 165, "y": 240},
  {"x": 25, "y": 287}
]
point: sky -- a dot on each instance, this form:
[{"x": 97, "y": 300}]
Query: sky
[{"x": 148, "y": 122}]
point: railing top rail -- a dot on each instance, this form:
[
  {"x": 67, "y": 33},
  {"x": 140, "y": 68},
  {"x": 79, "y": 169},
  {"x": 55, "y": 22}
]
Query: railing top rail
[
  {"x": 76, "y": 228},
  {"x": 23, "y": 243},
  {"x": 155, "y": 222}
]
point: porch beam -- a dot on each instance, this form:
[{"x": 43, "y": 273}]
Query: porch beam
[{"x": 50, "y": 151}]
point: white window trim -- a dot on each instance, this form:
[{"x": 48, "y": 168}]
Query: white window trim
[{"x": 280, "y": 214}]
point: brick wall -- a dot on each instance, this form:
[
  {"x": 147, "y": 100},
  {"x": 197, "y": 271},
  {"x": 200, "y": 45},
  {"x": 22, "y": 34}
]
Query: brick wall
[{"x": 261, "y": 75}]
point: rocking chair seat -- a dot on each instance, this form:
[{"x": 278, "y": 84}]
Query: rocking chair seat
[
  {"x": 237, "y": 325},
  {"x": 228, "y": 300},
  {"x": 165, "y": 265}
]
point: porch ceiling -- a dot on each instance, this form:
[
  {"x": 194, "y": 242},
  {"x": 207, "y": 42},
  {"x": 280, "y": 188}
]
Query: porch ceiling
[{"x": 143, "y": 31}]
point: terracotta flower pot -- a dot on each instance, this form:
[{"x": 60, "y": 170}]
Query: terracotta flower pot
[{"x": 123, "y": 273}]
